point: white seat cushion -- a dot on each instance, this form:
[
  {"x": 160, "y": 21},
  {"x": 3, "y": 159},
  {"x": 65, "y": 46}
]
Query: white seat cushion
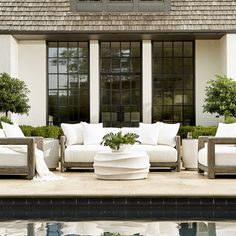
[
  {"x": 225, "y": 156},
  {"x": 83, "y": 153},
  {"x": 9, "y": 157},
  {"x": 159, "y": 153}
]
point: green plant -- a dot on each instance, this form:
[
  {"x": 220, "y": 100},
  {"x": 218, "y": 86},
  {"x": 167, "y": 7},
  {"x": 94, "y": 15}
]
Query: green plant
[
  {"x": 197, "y": 131},
  {"x": 27, "y": 130},
  {"x": 13, "y": 95},
  {"x": 221, "y": 96},
  {"x": 114, "y": 141},
  {"x": 4, "y": 119}
]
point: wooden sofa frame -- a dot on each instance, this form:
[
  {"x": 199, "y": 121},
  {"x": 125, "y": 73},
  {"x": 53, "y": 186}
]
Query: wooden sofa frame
[
  {"x": 89, "y": 165},
  {"x": 212, "y": 170},
  {"x": 29, "y": 170}
]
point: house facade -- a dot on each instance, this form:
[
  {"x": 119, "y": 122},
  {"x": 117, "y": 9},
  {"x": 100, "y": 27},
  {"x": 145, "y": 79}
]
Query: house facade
[{"x": 117, "y": 62}]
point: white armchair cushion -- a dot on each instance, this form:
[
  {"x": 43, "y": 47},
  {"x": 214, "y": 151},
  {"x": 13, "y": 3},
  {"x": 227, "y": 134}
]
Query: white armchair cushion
[
  {"x": 149, "y": 133},
  {"x": 168, "y": 133},
  {"x": 73, "y": 133},
  {"x": 93, "y": 133},
  {"x": 12, "y": 131},
  {"x": 225, "y": 155},
  {"x": 126, "y": 130},
  {"x": 226, "y": 130}
]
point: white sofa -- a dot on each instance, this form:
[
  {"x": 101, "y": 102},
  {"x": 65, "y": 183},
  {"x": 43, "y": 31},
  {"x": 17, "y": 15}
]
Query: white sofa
[{"x": 80, "y": 155}]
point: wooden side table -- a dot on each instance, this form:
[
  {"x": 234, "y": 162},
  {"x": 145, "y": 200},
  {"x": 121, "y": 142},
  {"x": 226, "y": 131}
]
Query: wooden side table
[
  {"x": 121, "y": 165},
  {"x": 190, "y": 153}
]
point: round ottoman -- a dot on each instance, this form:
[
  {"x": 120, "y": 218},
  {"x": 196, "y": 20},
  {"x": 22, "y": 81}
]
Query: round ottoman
[{"x": 121, "y": 165}]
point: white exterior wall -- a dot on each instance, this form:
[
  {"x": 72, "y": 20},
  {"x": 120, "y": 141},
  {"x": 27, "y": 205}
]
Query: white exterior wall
[
  {"x": 32, "y": 69},
  {"x": 94, "y": 81},
  {"x": 147, "y": 81},
  {"x": 208, "y": 63}
]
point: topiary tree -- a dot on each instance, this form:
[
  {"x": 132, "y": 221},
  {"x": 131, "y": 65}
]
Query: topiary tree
[
  {"x": 221, "y": 96},
  {"x": 13, "y": 95}
]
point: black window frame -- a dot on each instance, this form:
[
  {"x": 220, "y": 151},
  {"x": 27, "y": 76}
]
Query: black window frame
[
  {"x": 48, "y": 121},
  {"x": 193, "y": 120}
]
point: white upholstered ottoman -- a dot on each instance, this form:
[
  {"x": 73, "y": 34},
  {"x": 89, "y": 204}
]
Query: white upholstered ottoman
[{"x": 121, "y": 165}]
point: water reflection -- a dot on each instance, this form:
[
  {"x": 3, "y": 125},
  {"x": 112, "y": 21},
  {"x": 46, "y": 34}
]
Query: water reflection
[{"x": 116, "y": 228}]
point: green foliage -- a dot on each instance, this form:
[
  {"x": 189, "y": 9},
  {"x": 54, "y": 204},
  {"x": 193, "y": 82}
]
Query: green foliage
[
  {"x": 4, "y": 119},
  {"x": 221, "y": 96},
  {"x": 197, "y": 131},
  {"x": 13, "y": 95},
  {"x": 114, "y": 141},
  {"x": 43, "y": 131},
  {"x": 230, "y": 119}
]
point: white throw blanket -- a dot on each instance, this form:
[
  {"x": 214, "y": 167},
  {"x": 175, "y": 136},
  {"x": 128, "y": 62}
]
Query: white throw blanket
[{"x": 42, "y": 171}]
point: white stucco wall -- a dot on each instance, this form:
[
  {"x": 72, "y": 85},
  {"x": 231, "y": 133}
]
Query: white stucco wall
[
  {"x": 208, "y": 64},
  {"x": 32, "y": 69},
  {"x": 147, "y": 81},
  {"x": 94, "y": 81}
]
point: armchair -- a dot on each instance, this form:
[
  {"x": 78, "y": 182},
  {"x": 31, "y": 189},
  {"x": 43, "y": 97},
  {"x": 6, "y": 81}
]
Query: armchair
[
  {"x": 28, "y": 168},
  {"x": 218, "y": 157}
]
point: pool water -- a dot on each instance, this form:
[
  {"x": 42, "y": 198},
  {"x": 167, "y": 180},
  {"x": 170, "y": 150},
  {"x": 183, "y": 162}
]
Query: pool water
[{"x": 116, "y": 228}]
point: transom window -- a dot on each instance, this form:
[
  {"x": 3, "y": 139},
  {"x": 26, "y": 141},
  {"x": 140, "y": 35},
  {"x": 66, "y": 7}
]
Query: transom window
[
  {"x": 120, "y": 5},
  {"x": 173, "y": 82},
  {"x": 120, "y": 76},
  {"x": 68, "y": 82}
]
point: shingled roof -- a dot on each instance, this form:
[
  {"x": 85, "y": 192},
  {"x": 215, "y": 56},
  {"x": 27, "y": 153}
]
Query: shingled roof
[{"x": 55, "y": 16}]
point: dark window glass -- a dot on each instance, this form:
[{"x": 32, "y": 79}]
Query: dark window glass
[
  {"x": 173, "y": 82},
  {"x": 68, "y": 82},
  {"x": 120, "y": 67}
]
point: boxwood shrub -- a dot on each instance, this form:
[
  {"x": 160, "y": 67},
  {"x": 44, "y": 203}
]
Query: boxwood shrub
[{"x": 197, "y": 131}]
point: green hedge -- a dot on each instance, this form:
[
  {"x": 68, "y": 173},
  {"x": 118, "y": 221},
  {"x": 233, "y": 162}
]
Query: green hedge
[
  {"x": 4, "y": 119},
  {"x": 197, "y": 131}
]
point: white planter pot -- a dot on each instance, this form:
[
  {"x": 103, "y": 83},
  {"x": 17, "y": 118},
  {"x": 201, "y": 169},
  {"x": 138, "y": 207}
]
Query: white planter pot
[
  {"x": 123, "y": 148},
  {"x": 190, "y": 153},
  {"x": 51, "y": 152}
]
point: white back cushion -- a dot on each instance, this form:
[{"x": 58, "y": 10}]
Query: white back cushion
[
  {"x": 126, "y": 130},
  {"x": 113, "y": 130},
  {"x": 12, "y": 131},
  {"x": 73, "y": 133},
  {"x": 2, "y": 134},
  {"x": 93, "y": 133},
  {"x": 226, "y": 130},
  {"x": 149, "y": 133},
  {"x": 168, "y": 133}
]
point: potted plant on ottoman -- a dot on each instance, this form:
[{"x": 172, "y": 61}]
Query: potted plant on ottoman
[{"x": 118, "y": 142}]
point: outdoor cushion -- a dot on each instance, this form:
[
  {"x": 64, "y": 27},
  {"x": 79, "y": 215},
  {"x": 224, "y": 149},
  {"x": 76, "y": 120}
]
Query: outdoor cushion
[
  {"x": 108, "y": 130},
  {"x": 83, "y": 153},
  {"x": 12, "y": 131},
  {"x": 9, "y": 157},
  {"x": 2, "y": 134},
  {"x": 159, "y": 153},
  {"x": 126, "y": 130},
  {"x": 149, "y": 133},
  {"x": 93, "y": 133},
  {"x": 73, "y": 133},
  {"x": 226, "y": 130},
  {"x": 168, "y": 133},
  {"x": 225, "y": 155}
]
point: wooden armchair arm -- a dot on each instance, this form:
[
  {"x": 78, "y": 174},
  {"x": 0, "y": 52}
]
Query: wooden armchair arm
[
  {"x": 178, "y": 141},
  {"x": 201, "y": 141},
  {"x": 63, "y": 146},
  {"x": 40, "y": 143},
  {"x": 30, "y": 143}
]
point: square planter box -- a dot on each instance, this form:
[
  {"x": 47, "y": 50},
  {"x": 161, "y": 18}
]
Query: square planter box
[{"x": 51, "y": 152}]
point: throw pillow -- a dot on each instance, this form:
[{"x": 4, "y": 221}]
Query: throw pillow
[
  {"x": 168, "y": 133},
  {"x": 2, "y": 134},
  {"x": 93, "y": 133},
  {"x": 12, "y": 131},
  {"x": 149, "y": 133},
  {"x": 226, "y": 130},
  {"x": 73, "y": 133}
]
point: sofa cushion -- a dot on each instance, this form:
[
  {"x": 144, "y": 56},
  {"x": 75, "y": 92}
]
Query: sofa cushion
[
  {"x": 93, "y": 133},
  {"x": 159, "y": 153},
  {"x": 108, "y": 130},
  {"x": 12, "y": 131},
  {"x": 226, "y": 130},
  {"x": 149, "y": 133},
  {"x": 83, "y": 153},
  {"x": 225, "y": 156},
  {"x": 2, "y": 134},
  {"x": 73, "y": 133},
  {"x": 126, "y": 130},
  {"x": 9, "y": 157},
  {"x": 168, "y": 133}
]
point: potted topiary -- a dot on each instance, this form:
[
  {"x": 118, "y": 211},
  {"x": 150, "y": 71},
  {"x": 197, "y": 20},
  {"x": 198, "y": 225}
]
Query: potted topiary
[{"x": 118, "y": 142}]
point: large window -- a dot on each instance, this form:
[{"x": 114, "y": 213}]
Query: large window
[
  {"x": 120, "y": 74},
  {"x": 120, "y": 5},
  {"x": 68, "y": 82},
  {"x": 173, "y": 82}
]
